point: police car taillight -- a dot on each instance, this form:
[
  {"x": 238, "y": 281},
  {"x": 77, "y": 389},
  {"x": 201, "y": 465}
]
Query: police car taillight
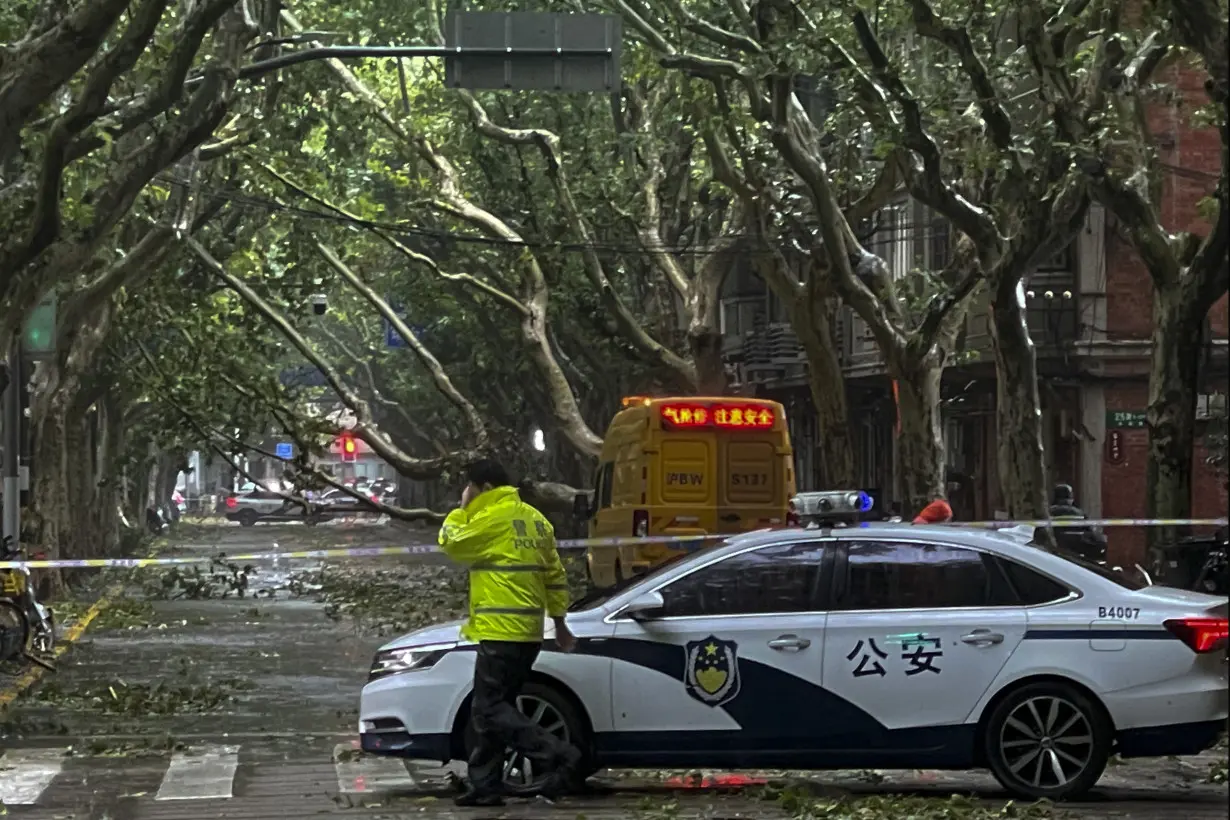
[
  {"x": 1203, "y": 635},
  {"x": 231, "y": 503}
]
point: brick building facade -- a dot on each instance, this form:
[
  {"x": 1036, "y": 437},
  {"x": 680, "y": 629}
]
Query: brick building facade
[
  {"x": 1191, "y": 159},
  {"x": 1090, "y": 314}
]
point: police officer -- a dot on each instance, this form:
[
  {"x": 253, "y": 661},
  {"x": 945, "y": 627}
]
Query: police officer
[{"x": 515, "y": 575}]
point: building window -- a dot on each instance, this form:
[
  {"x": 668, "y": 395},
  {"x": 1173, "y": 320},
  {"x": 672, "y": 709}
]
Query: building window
[
  {"x": 1059, "y": 263},
  {"x": 739, "y": 315},
  {"x": 939, "y": 244}
]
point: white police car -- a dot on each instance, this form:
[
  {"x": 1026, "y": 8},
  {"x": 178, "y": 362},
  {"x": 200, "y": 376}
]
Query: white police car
[{"x": 883, "y": 645}]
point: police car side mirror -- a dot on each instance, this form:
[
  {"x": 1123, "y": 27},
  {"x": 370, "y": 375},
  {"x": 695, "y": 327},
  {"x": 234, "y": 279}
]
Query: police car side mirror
[{"x": 646, "y": 607}]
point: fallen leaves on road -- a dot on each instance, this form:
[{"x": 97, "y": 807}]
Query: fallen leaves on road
[
  {"x": 126, "y": 613},
  {"x": 800, "y": 805},
  {"x": 388, "y": 600},
  {"x": 143, "y": 699},
  {"x": 392, "y": 600},
  {"x": 1217, "y": 771},
  {"x": 103, "y": 747}
]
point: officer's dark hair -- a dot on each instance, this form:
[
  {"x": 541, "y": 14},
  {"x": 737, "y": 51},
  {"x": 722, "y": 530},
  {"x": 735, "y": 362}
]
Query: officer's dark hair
[
  {"x": 487, "y": 471},
  {"x": 1062, "y": 494}
]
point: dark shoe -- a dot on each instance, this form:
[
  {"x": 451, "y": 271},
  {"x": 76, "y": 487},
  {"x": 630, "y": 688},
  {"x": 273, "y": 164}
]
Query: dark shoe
[
  {"x": 564, "y": 779},
  {"x": 471, "y": 798}
]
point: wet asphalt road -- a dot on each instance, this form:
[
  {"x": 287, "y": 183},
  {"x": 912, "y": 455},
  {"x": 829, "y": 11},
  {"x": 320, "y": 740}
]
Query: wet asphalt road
[{"x": 282, "y": 747}]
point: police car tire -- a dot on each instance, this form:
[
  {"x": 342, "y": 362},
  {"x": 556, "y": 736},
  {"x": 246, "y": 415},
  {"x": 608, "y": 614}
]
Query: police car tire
[
  {"x": 247, "y": 518},
  {"x": 1101, "y": 730},
  {"x": 576, "y": 731}
]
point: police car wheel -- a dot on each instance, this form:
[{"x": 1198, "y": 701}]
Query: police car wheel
[
  {"x": 552, "y": 711},
  {"x": 247, "y": 518},
  {"x": 1047, "y": 741}
]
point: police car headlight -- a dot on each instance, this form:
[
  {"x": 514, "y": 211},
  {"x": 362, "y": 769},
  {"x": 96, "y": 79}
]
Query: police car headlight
[{"x": 409, "y": 659}]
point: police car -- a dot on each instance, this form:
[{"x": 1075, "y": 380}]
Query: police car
[{"x": 881, "y": 645}]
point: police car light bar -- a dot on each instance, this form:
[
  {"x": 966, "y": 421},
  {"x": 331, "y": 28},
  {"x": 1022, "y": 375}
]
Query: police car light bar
[{"x": 835, "y": 504}]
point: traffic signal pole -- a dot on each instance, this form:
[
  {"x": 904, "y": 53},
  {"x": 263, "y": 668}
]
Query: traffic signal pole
[{"x": 11, "y": 422}]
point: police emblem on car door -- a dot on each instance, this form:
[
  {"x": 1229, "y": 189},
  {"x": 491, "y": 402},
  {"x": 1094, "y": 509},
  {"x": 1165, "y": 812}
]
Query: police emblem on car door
[{"x": 711, "y": 671}]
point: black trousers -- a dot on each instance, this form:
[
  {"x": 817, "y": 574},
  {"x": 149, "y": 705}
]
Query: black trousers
[{"x": 501, "y": 670}]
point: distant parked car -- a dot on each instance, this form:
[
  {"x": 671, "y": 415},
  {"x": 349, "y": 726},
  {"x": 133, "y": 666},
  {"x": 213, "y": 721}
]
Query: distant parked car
[{"x": 260, "y": 504}]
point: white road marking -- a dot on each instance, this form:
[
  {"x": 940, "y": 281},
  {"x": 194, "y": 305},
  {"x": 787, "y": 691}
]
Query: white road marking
[
  {"x": 358, "y": 773},
  {"x": 200, "y": 773},
  {"x": 26, "y": 773}
]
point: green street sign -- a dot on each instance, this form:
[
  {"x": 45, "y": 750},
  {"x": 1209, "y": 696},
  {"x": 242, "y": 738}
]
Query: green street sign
[
  {"x": 1118, "y": 419},
  {"x": 38, "y": 336}
]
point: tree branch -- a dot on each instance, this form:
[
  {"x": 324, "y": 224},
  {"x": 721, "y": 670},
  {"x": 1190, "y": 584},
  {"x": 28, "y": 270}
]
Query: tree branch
[
  {"x": 188, "y": 36},
  {"x": 999, "y": 126},
  {"x": 45, "y": 221},
  {"x": 534, "y": 321},
  {"x": 933, "y": 189},
  {"x": 1201, "y": 26},
  {"x": 364, "y": 427},
  {"x": 548, "y": 145},
  {"x": 38, "y": 67},
  {"x": 440, "y": 378},
  {"x": 840, "y": 246},
  {"x": 463, "y": 278},
  {"x": 26, "y": 272},
  {"x": 393, "y": 406}
]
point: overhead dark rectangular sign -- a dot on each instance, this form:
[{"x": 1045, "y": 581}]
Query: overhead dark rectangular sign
[{"x": 542, "y": 51}]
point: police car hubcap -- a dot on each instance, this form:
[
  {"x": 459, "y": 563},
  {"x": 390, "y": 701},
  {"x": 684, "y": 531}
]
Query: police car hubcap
[
  {"x": 519, "y": 771},
  {"x": 1046, "y": 742}
]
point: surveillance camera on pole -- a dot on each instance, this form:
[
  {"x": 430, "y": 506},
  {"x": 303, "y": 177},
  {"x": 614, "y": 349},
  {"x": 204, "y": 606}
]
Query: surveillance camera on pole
[{"x": 320, "y": 304}]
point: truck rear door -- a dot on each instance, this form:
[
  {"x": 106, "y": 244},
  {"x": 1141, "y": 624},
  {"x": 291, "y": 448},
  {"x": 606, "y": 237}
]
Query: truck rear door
[
  {"x": 751, "y": 481},
  {"x": 686, "y": 485}
]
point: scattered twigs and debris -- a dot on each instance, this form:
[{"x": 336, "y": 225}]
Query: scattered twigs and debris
[
  {"x": 389, "y": 600},
  {"x": 393, "y": 599},
  {"x": 217, "y": 579},
  {"x": 800, "y": 802},
  {"x": 143, "y": 699},
  {"x": 1217, "y": 771}
]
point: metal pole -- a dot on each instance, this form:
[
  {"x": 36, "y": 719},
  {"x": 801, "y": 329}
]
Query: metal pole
[{"x": 12, "y": 446}]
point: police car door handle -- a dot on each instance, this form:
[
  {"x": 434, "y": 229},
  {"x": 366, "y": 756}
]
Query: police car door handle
[
  {"x": 784, "y": 642},
  {"x": 983, "y": 636}
]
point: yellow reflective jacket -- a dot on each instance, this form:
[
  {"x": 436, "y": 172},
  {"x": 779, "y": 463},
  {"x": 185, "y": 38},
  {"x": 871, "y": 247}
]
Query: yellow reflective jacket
[{"x": 515, "y": 571}]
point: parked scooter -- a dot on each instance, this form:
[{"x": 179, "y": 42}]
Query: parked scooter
[
  {"x": 27, "y": 628},
  {"x": 1213, "y": 576}
]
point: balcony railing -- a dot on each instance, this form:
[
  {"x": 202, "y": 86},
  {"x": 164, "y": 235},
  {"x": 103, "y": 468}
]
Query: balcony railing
[{"x": 770, "y": 351}]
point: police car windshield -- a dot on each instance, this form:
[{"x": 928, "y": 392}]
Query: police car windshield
[{"x": 599, "y": 597}]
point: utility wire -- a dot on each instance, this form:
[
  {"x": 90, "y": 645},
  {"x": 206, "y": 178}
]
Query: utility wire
[
  {"x": 906, "y": 231},
  {"x": 901, "y": 231}
]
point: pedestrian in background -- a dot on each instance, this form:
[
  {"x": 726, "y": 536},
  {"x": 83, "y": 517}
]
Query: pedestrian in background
[
  {"x": 1087, "y": 542},
  {"x": 515, "y": 577}
]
